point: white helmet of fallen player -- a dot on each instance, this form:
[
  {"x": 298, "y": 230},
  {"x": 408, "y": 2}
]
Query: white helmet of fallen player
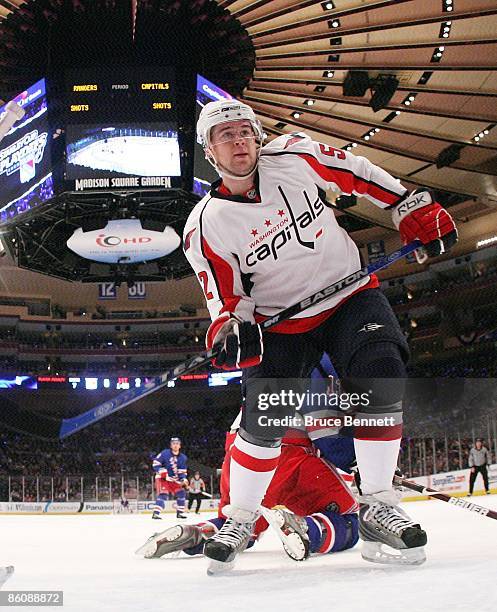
[{"x": 224, "y": 111}]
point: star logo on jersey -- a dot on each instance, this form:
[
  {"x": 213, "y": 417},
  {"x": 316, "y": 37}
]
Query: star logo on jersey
[
  {"x": 254, "y": 232},
  {"x": 370, "y": 327},
  {"x": 291, "y": 226}
]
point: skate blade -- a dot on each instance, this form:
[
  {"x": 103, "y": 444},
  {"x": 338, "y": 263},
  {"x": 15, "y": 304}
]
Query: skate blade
[
  {"x": 295, "y": 546},
  {"x": 150, "y": 550},
  {"x": 216, "y": 568},
  {"x": 374, "y": 553}
]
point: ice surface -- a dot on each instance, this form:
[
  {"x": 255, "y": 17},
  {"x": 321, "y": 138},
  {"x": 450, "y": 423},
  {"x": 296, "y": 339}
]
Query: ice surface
[
  {"x": 140, "y": 155},
  {"x": 91, "y": 559}
]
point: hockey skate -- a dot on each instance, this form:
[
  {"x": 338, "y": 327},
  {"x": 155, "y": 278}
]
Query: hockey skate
[
  {"x": 6, "y": 573},
  {"x": 180, "y": 514},
  {"x": 174, "y": 540},
  {"x": 382, "y": 522},
  {"x": 233, "y": 538},
  {"x": 291, "y": 530}
]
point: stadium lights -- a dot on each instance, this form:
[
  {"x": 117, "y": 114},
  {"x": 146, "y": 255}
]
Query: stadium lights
[
  {"x": 349, "y": 146},
  {"x": 437, "y": 54},
  {"x": 370, "y": 134},
  {"x": 486, "y": 242},
  {"x": 483, "y": 133},
  {"x": 409, "y": 99},
  {"x": 425, "y": 77},
  {"x": 445, "y": 29},
  {"x": 309, "y": 102},
  {"x": 391, "y": 116},
  {"x": 328, "y": 74},
  {"x": 327, "y": 6},
  {"x": 296, "y": 114},
  {"x": 447, "y": 6},
  {"x": 334, "y": 23}
]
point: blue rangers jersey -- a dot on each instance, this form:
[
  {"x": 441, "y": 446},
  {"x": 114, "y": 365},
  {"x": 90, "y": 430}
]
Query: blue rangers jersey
[{"x": 173, "y": 465}]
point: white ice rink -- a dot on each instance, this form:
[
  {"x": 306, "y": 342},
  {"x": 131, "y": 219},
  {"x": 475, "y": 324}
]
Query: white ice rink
[
  {"x": 91, "y": 559},
  {"x": 137, "y": 155}
]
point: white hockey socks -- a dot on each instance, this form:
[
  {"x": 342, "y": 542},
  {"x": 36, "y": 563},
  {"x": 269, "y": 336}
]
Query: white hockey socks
[
  {"x": 251, "y": 470},
  {"x": 376, "y": 460}
]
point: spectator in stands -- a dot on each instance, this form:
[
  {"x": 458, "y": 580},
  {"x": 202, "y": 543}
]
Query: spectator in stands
[{"x": 479, "y": 458}]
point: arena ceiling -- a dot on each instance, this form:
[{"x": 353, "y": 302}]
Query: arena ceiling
[{"x": 430, "y": 65}]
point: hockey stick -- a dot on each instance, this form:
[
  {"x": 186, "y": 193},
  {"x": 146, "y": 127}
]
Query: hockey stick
[
  {"x": 450, "y": 499},
  {"x": 39, "y": 425},
  {"x": 74, "y": 424}
]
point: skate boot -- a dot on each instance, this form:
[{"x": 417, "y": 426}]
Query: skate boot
[
  {"x": 174, "y": 540},
  {"x": 233, "y": 538},
  {"x": 291, "y": 530},
  {"x": 180, "y": 514},
  {"x": 6, "y": 573},
  {"x": 156, "y": 515},
  {"x": 382, "y": 522}
]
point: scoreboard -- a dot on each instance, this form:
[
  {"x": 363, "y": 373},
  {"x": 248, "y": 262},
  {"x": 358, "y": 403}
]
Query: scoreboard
[
  {"x": 121, "y": 129},
  {"x": 127, "y": 94}
]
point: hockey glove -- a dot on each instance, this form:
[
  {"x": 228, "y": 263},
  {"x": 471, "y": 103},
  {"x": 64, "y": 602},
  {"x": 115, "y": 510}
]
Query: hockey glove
[
  {"x": 419, "y": 217},
  {"x": 240, "y": 343}
]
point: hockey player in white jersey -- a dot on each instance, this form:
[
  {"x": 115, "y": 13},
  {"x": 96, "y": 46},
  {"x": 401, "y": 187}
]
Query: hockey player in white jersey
[{"x": 262, "y": 240}]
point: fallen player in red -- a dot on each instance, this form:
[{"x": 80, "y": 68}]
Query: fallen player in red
[{"x": 324, "y": 518}]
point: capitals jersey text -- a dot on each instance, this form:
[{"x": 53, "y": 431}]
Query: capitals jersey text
[
  {"x": 174, "y": 465},
  {"x": 257, "y": 254}
]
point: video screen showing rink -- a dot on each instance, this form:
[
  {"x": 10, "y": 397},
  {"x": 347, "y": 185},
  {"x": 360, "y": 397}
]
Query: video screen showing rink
[{"x": 121, "y": 150}]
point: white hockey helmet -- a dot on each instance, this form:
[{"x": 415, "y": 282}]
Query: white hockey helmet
[{"x": 222, "y": 111}]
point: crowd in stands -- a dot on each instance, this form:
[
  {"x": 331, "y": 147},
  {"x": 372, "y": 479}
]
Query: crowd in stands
[
  {"x": 119, "y": 449},
  {"x": 421, "y": 456},
  {"x": 115, "y": 454},
  {"x": 467, "y": 276}
]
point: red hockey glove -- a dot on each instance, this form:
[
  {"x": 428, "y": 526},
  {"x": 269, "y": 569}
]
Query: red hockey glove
[
  {"x": 419, "y": 217},
  {"x": 240, "y": 342}
]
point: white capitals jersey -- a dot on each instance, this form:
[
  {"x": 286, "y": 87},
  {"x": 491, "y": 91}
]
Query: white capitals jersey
[{"x": 257, "y": 254}]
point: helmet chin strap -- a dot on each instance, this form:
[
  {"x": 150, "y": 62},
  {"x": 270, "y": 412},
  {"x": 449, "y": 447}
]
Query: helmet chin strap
[{"x": 224, "y": 173}]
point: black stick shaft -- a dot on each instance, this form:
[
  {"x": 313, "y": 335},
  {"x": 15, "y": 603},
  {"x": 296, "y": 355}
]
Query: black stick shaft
[
  {"x": 450, "y": 499},
  {"x": 74, "y": 424}
]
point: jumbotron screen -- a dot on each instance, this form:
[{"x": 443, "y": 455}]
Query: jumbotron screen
[
  {"x": 121, "y": 129},
  {"x": 25, "y": 161},
  {"x": 203, "y": 173}
]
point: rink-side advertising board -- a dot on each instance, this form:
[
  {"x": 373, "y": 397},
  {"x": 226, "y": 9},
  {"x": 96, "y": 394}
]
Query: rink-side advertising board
[
  {"x": 90, "y": 507},
  {"x": 121, "y": 129}
]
